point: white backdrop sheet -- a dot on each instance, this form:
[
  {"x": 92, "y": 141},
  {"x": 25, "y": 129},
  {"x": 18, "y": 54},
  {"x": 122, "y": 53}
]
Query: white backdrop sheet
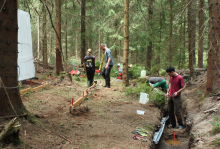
[{"x": 26, "y": 69}]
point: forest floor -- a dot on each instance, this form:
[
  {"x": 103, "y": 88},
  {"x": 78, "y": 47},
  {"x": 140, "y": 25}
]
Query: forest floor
[
  {"x": 111, "y": 118},
  {"x": 109, "y": 123}
]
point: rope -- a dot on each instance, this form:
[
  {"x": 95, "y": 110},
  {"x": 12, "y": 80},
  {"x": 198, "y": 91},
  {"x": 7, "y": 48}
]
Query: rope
[
  {"x": 9, "y": 87},
  {"x": 13, "y": 108},
  {"x": 3, "y": 6}
]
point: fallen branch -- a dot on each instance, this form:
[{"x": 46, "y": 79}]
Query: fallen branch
[
  {"x": 65, "y": 135},
  {"x": 6, "y": 129},
  {"x": 65, "y": 138},
  {"x": 210, "y": 110}
]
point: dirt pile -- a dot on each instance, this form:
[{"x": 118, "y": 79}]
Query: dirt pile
[
  {"x": 199, "y": 121},
  {"x": 81, "y": 110}
]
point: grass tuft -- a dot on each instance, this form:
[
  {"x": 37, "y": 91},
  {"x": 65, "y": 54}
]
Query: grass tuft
[{"x": 216, "y": 124}]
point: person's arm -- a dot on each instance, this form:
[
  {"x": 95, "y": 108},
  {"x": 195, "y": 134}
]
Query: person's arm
[
  {"x": 106, "y": 67},
  {"x": 168, "y": 91},
  {"x": 108, "y": 53},
  {"x": 94, "y": 60},
  {"x": 183, "y": 86}
]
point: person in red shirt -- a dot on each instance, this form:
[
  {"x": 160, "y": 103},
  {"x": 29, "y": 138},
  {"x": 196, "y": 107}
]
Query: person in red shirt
[{"x": 176, "y": 85}]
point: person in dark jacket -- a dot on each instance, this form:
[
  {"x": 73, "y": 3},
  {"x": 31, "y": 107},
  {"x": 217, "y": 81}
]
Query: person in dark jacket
[{"x": 89, "y": 62}]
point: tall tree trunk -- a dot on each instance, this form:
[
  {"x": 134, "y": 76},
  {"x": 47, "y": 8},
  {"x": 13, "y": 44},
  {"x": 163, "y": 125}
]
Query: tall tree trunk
[
  {"x": 59, "y": 64},
  {"x": 184, "y": 39},
  {"x": 83, "y": 30},
  {"x": 38, "y": 34},
  {"x": 190, "y": 40},
  {"x": 158, "y": 54},
  {"x": 76, "y": 53},
  {"x": 213, "y": 58},
  {"x": 126, "y": 43},
  {"x": 99, "y": 45},
  {"x": 66, "y": 30},
  {"x": 45, "y": 60},
  {"x": 51, "y": 42},
  {"x": 193, "y": 26},
  {"x": 181, "y": 36},
  {"x": 116, "y": 28},
  {"x": 136, "y": 61},
  {"x": 149, "y": 47},
  {"x": 171, "y": 31},
  {"x": 119, "y": 59},
  {"x": 8, "y": 60},
  {"x": 201, "y": 37},
  {"x": 115, "y": 51},
  {"x": 90, "y": 30}
]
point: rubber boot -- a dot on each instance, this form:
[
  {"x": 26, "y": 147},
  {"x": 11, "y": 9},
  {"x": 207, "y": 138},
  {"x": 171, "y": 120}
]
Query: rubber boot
[{"x": 88, "y": 83}]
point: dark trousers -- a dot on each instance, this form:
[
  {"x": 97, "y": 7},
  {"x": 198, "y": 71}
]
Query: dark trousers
[
  {"x": 106, "y": 75},
  {"x": 174, "y": 105},
  {"x": 90, "y": 76}
]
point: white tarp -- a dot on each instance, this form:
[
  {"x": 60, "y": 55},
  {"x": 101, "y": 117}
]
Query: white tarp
[{"x": 26, "y": 69}]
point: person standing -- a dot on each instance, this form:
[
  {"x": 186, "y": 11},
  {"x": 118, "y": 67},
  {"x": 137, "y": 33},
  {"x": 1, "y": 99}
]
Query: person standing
[
  {"x": 158, "y": 82},
  {"x": 89, "y": 62},
  {"x": 176, "y": 86},
  {"x": 108, "y": 65}
]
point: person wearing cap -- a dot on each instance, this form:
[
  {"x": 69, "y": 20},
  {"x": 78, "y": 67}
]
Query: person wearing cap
[
  {"x": 108, "y": 64},
  {"x": 89, "y": 62}
]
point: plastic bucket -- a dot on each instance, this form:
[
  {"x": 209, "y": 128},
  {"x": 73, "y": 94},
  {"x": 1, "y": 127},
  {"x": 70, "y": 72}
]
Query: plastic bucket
[
  {"x": 143, "y": 73},
  {"x": 144, "y": 98}
]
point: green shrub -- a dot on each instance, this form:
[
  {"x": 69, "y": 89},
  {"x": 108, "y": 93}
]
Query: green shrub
[
  {"x": 113, "y": 73},
  {"x": 142, "y": 80},
  {"x": 154, "y": 69},
  {"x": 75, "y": 61},
  {"x": 158, "y": 98},
  {"x": 162, "y": 72},
  {"x": 52, "y": 59},
  {"x": 136, "y": 69},
  {"x": 97, "y": 63},
  {"x": 216, "y": 142},
  {"x": 144, "y": 88},
  {"x": 216, "y": 124},
  {"x": 77, "y": 78}
]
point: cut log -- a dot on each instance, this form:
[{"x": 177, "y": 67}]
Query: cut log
[{"x": 4, "y": 132}]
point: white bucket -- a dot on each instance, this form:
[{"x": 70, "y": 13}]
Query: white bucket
[
  {"x": 143, "y": 73},
  {"x": 144, "y": 98}
]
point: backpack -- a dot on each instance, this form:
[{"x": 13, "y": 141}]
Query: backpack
[{"x": 89, "y": 61}]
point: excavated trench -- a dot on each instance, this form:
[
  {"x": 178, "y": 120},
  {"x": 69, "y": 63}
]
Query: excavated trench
[{"x": 182, "y": 139}]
